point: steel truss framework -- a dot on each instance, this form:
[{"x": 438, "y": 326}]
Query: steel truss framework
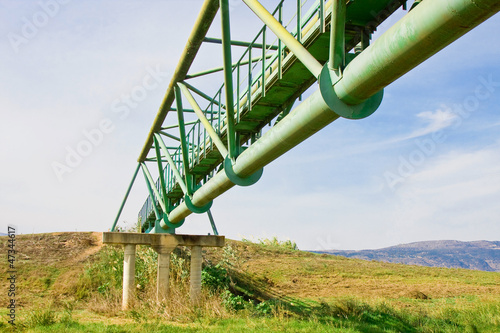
[{"x": 329, "y": 43}]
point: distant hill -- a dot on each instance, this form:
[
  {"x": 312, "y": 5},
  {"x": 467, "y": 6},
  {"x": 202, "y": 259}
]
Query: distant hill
[{"x": 478, "y": 255}]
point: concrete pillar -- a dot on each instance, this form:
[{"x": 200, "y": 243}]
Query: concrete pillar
[
  {"x": 128, "y": 275},
  {"x": 163, "y": 276},
  {"x": 195, "y": 290}
]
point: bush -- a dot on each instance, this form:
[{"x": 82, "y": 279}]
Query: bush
[
  {"x": 41, "y": 318},
  {"x": 215, "y": 278}
]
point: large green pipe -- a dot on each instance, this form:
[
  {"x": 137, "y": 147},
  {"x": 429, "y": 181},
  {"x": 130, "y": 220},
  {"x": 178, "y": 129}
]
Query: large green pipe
[
  {"x": 202, "y": 24},
  {"x": 428, "y": 28},
  {"x": 458, "y": 17}
]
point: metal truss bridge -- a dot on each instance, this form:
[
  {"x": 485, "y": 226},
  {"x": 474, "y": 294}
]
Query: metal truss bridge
[{"x": 204, "y": 143}]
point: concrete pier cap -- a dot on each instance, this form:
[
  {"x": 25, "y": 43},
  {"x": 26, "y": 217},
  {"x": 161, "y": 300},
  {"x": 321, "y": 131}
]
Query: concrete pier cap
[{"x": 163, "y": 244}]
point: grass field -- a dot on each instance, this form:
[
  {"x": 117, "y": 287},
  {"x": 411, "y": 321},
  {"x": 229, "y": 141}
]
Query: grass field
[{"x": 69, "y": 282}]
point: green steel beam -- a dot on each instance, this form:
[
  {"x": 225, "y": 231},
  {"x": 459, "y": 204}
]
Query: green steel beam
[
  {"x": 184, "y": 138},
  {"x": 171, "y": 136},
  {"x": 228, "y": 78},
  {"x": 152, "y": 191},
  {"x": 161, "y": 173},
  {"x": 219, "y": 69},
  {"x": 171, "y": 162},
  {"x": 238, "y": 43},
  {"x": 126, "y": 197},
  {"x": 425, "y": 30},
  {"x": 337, "y": 36},
  {"x": 212, "y": 223},
  {"x": 202, "y": 94},
  {"x": 202, "y": 24},
  {"x": 298, "y": 15},
  {"x": 297, "y": 49},
  {"x": 204, "y": 121},
  {"x": 177, "y": 125}
]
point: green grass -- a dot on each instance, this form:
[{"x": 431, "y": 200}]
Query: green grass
[{"x": 265, "y": 287}]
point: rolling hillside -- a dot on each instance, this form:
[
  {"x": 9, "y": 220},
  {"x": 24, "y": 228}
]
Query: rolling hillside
[
  {"x": 478, "y": 255},
  {"x": 70, "y": 282}
]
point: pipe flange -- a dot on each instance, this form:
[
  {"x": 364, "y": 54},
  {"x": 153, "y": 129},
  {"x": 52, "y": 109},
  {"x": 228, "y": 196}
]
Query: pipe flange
[
  {"x": 327, "y": 79},
  {"x": 241, "y": 181},
  {"x": 197, "y": 209}
]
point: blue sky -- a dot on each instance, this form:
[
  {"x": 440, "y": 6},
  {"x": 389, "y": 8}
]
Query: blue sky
[{"x": 424, "y": 166}]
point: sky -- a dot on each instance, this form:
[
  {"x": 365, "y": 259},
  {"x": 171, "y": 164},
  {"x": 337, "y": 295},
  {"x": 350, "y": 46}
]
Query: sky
[{"x": 89, "y": 76}]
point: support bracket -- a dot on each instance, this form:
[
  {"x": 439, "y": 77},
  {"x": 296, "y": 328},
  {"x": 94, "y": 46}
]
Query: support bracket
[
  {"x": 167, "y": 224},
  {"x": 241, "y": 181},
  {"x": 327, "y": 80},
  {"x": 197, "y": 209}
]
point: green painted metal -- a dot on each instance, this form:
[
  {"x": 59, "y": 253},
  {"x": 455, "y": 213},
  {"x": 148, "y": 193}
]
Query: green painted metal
[
  {"x": 314, "y": 113},
  {"x": 148, "y": 180},
  {"x": 311, "y": 52},
  {"x": 240, "y": 43},
  {"x": 202, "y": 24},
  {"x": 197, "y": 209},
  {"x": 286, "y": 37},
  {"x": 212, "y": 223},
  {"x": 228, "y": 78},
  {"x": 171, "y": 162},
  {"x": 327, "y": 80},
  {"x": 184, "y": 142},
  {"x": 205, "y": 96},
  {"x": 337, "y": 36},
  {"x": 219, "y": 69},
  {"x": 160, "y": 172},
  {"x": 177, "y": 125},
  {"x": 206, "y": 123},
  {"x": 424, "y": 31},
  {"x": 125, "y": 197},
  {"x": 239, "y": 180}
]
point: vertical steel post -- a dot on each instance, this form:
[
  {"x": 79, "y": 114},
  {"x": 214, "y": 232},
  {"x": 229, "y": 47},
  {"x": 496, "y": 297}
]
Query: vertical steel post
[
  {"x": 228, "y": 78},
  {"x": 321, "y": 16},
  {"x": 182, "y": 134},
  {"x": 280, "y": 46},
  {"x": 204, "y": 121},
  {"x": 264, "y": 49},
  {"x": 249, "y": 96},
  {"x": 337, "y": 36},
  {"x": 171, "y": 162},
  {"x": 299, "y": 24},
  {"x": 313, "y": 65},
  {"x": 126, "y": 197},
  {"x": 152, "y": 189},
  {"x": 161, "y": 172}
]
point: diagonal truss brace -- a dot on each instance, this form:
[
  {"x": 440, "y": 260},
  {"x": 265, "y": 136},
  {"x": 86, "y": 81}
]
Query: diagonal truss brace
[
  {"x": 177, "y": 175},
  {"x": 313, "y": 65},
  {"x": 204, "y": 121}
]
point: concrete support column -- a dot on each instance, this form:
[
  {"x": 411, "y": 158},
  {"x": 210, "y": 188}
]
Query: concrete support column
[
  {"x": 163, "y": 277},
  {"x": 195, "y": 290},
  {"x": 128, "y": 275}
]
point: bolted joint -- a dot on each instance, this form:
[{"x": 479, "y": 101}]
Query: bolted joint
[{"x": 327, "y": 81}]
